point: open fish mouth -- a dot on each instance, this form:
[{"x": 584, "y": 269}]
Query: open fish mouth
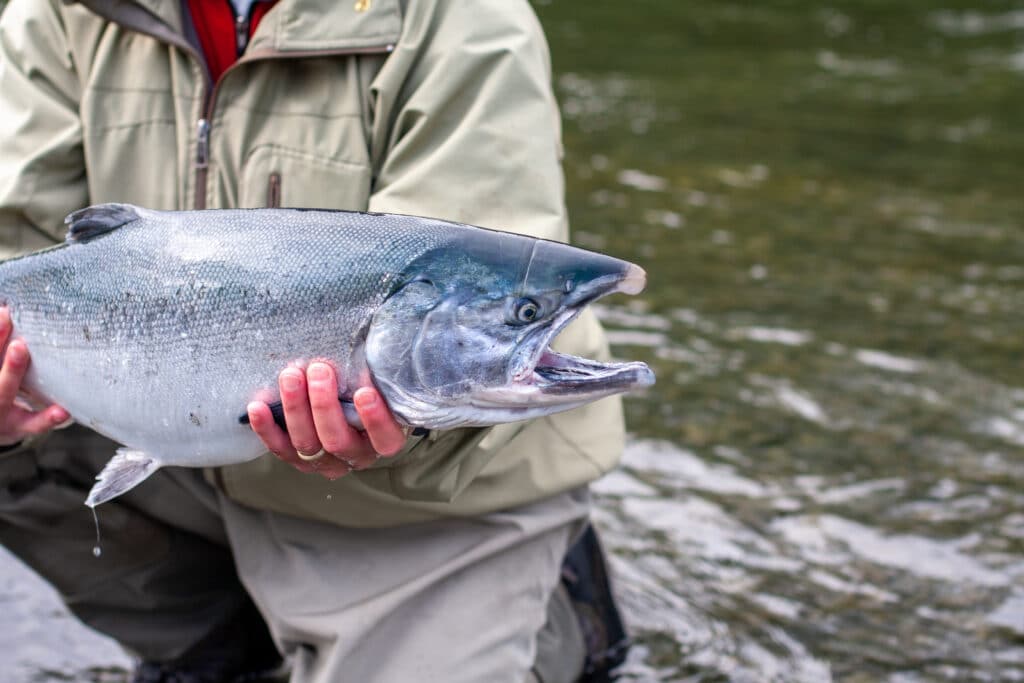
[
  {"x": 557, "y": 377},
  {"x": 542, "y": 375},
  {"x": 560, "y": 374},
  {"x": 562, "y": 379}
]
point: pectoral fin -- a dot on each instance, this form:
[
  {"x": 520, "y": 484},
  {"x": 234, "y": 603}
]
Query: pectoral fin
[{"x": 126, "y": 470}]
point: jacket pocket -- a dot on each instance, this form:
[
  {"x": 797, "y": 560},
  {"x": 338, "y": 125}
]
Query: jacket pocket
[{"x": 276, "y": 176}]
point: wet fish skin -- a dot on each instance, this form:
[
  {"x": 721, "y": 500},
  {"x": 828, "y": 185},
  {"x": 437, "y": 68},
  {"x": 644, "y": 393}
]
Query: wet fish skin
[{"x": 158, "y": 328}]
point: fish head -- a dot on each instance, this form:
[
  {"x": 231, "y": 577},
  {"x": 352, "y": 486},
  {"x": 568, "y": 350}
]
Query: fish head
[{"x": 465, "y": 336}]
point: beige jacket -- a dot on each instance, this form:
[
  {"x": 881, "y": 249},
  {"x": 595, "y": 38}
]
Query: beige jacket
[{"x": 433, "y": 107}]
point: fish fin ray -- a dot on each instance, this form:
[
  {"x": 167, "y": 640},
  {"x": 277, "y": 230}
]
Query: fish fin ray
[
  {"x": 91, "y": 222},
  {"x": 277, "y": 410},
  {"x": 126, "y": 470}
]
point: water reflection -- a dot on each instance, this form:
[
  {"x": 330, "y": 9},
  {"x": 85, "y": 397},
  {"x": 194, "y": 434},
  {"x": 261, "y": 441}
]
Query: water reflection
[{"x": 737, "y": 577}]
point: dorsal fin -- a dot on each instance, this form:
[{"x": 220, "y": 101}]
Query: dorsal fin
[{"x": 91, "y": 222}]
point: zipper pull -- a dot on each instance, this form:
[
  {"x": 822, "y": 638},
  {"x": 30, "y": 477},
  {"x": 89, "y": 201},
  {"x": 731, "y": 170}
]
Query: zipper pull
[
  {"x": 202, "y": 143},
  {"x": 241, "y": 33},
  {"x": 274, "y": 191}
]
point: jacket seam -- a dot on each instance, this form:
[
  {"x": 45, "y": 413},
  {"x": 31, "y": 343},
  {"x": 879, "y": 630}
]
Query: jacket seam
[
  {"x": 298, "y": 155},
  {"x": 279, "y": 114},
  {"x": 114, "y": 89},
  {"x": 575, "y": 447},
  {"x": 370, "y": 41},
  {"x": 93, "y": 132}
]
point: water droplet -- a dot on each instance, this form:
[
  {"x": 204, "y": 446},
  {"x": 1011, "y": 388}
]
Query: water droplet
[{"x": 96, "y": 550}]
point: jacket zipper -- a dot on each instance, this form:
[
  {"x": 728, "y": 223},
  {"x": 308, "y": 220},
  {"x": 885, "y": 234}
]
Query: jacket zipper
[
  {"x": 145, "y": 23},
  {"x": 202, "y": 162},
  {"x": 165, "y": 35},
  {"x": 202, "y": 144},
  {"x": 204, "y": 123},
  {"x": 241, "y": 33}
]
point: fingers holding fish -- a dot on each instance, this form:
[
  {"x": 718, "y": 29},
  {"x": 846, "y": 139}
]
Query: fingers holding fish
[
  {"x": 386, "y": 435},
  {"x": 277, "y": 441},
  {"x": 274, "y": 438},
  {"x": 332, "y": 430},
  {"x": 16, "y": 421},
  {"x": 12, "y": 372},
  {"x": 31, "y": 422},
  {"x": 341, "y": 441},
  {"x": 298, "y": 413},
  {"x": 318, "y": 437}
]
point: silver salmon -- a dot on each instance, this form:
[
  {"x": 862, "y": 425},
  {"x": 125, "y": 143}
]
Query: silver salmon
[{"x": 157, "y": 328}]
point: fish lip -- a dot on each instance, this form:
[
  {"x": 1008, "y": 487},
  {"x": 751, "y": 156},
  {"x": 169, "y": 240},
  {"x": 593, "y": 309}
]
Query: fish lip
[
  {"x": 634, "y": 281},
  {"x": 630, "y": 281}
]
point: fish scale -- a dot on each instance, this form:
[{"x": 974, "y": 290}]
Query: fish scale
[
  {"x": 172, "y": 261},
  {"x": 161, "y": 300}
]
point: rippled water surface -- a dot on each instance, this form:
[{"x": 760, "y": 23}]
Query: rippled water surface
[{"x": 827, "y": 482}]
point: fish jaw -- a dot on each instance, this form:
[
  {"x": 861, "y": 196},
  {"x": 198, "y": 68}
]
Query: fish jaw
[
  {"x": 558, "y": 382},
  {"x": 562, "y": 381}
]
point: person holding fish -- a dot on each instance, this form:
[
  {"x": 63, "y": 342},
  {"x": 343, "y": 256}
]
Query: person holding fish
[{"x": 376, "y": 554}]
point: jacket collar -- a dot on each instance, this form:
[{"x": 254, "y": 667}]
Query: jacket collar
[
  {"x": 291, "y": 26},
  {"x": 324, "y": 25}
]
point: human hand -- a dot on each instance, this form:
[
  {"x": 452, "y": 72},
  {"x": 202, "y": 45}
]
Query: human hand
[
  {"x": 316, "y": 421},
  {"x": 17, "y": 420}
]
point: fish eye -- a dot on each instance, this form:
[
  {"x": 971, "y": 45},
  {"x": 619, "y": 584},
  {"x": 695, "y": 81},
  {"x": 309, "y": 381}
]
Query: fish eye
[{"x": 526, "y": 310}]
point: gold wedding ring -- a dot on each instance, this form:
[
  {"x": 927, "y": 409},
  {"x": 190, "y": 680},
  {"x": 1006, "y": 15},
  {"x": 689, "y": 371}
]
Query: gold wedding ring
[{"x": 310, "y": 457}]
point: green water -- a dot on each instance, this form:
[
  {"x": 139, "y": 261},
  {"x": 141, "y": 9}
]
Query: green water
[{"x": 826, "y": 482}]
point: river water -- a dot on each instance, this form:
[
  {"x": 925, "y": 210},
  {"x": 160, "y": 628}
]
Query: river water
[{"x": 827, "y": 482}]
